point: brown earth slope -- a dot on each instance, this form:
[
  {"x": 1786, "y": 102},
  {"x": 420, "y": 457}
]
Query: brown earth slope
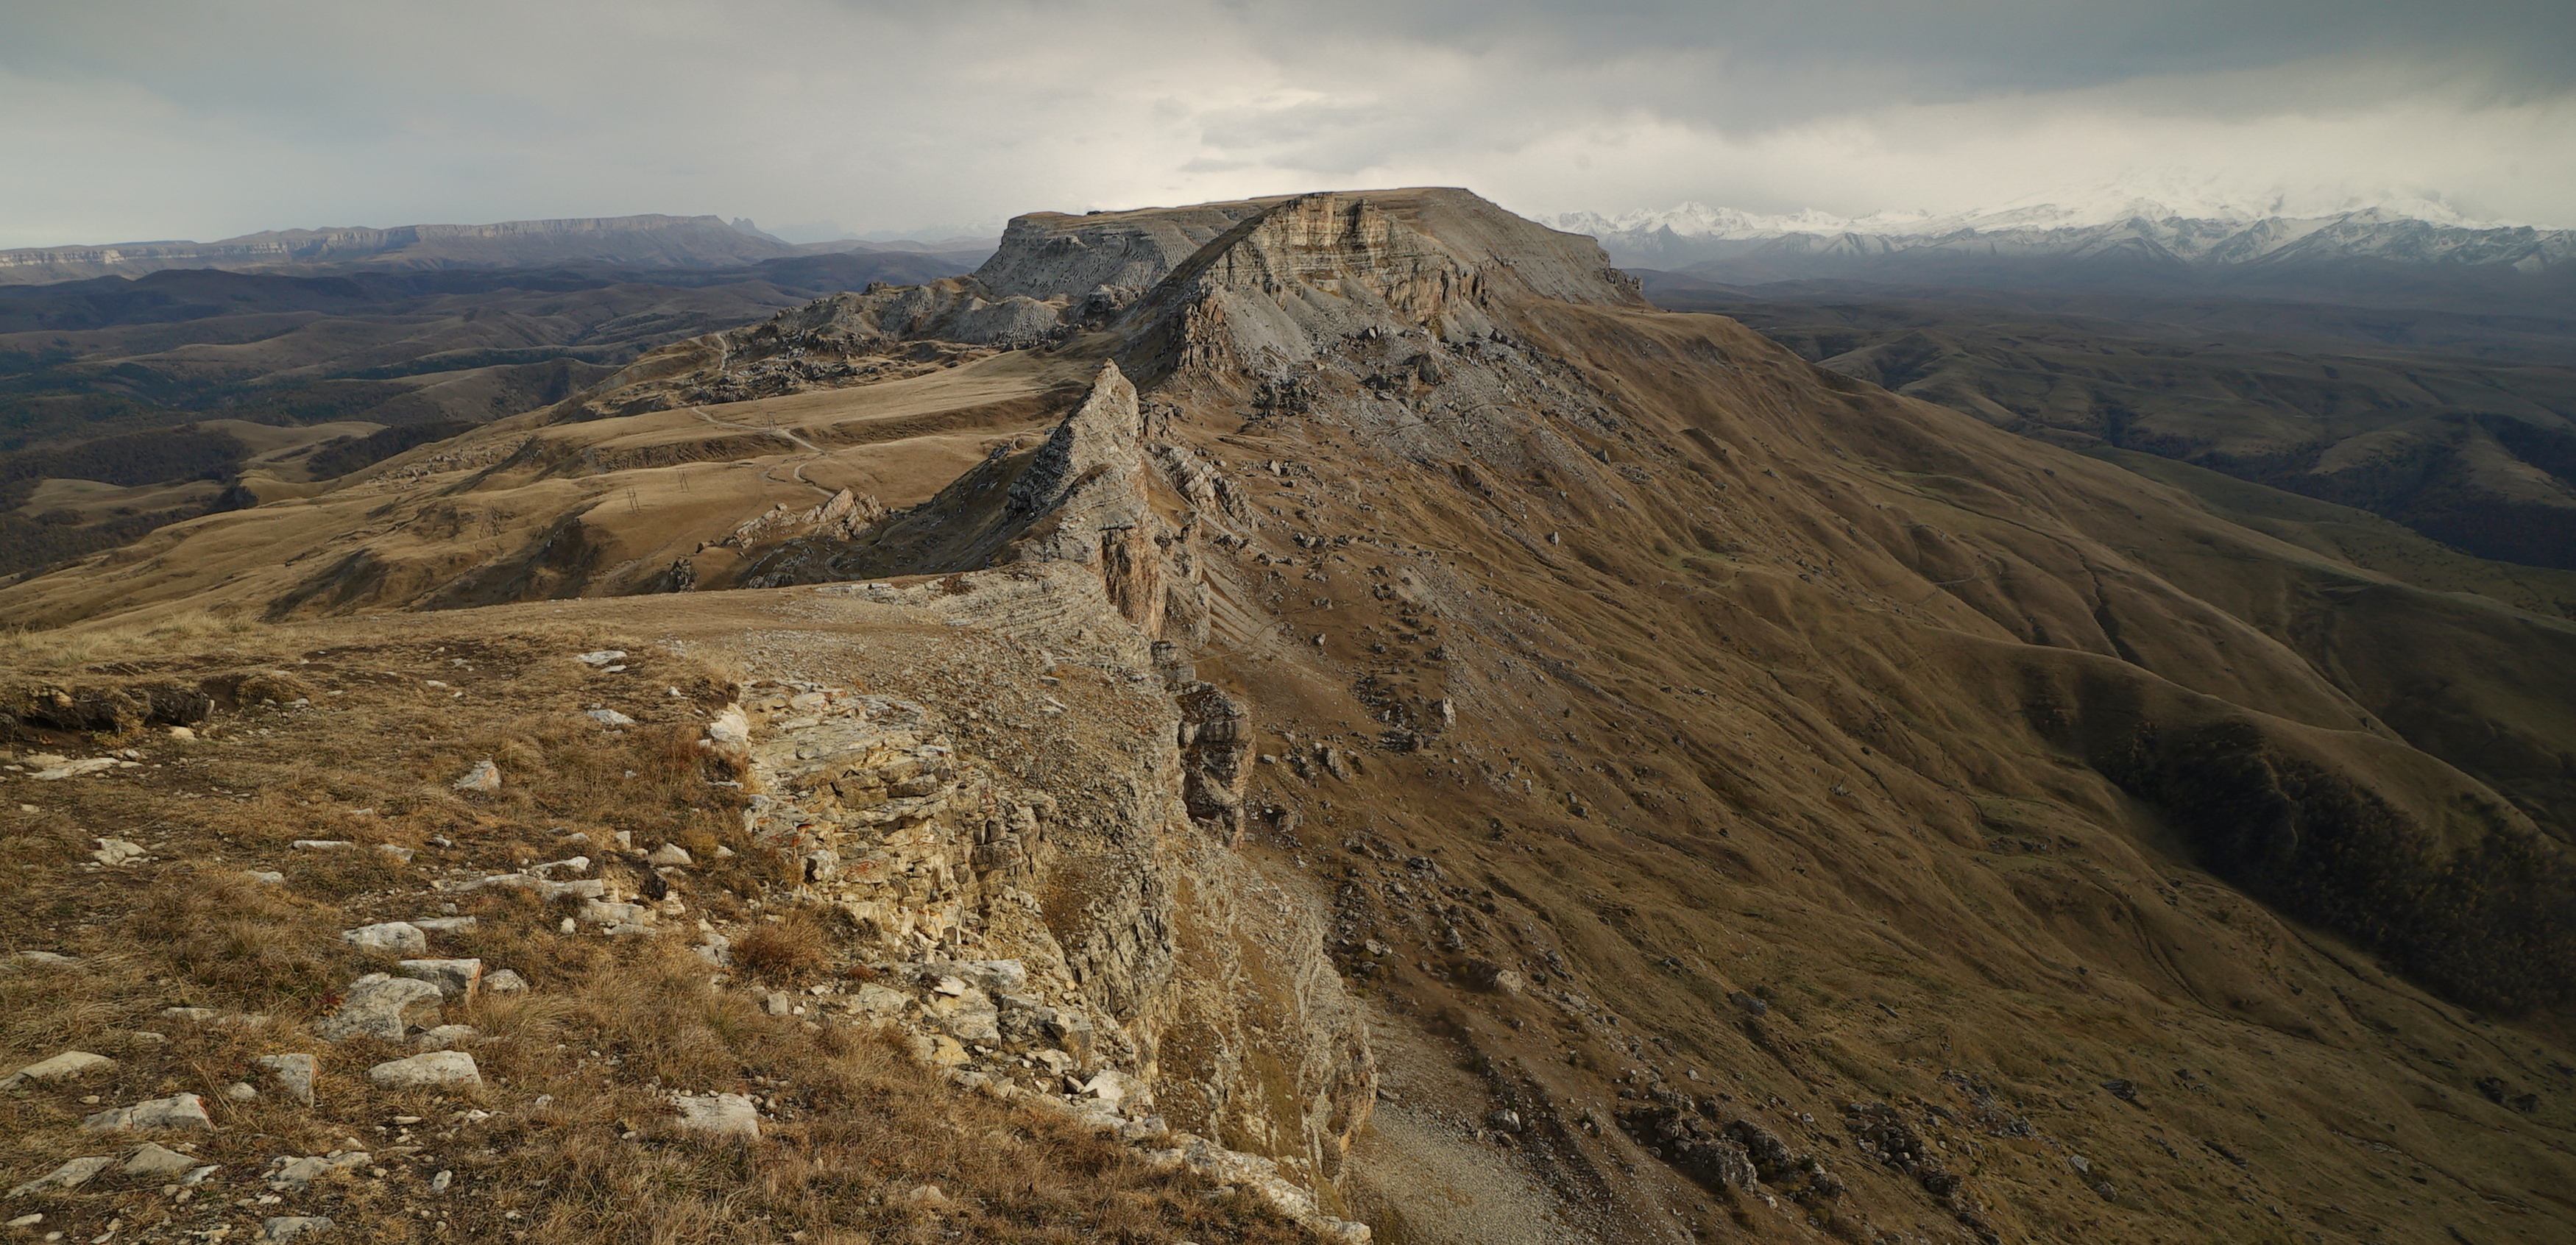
[{"x": 1749, "y": 803}]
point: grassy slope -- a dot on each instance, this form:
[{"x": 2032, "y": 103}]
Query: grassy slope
[{"x": 570, "y": 1139}]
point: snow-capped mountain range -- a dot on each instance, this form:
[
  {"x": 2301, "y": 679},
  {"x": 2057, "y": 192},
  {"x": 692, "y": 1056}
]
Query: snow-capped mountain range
[{"x": 2197, "y": 233}]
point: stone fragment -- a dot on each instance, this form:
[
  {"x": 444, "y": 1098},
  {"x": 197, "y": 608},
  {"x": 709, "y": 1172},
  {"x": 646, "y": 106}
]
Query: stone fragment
[
  {"x": 455, "y": 979},
  {"x": 73, "y": 769},
  {"x": 506, "y": 981},
  {"x": 443, "y": 1069},
  {"x": 446, "y": 1037},
  {"x": 445, "y": 924},
  {"x": 731, "y": 729},
  {"x": 62, "y": 1067},
  {"x": 926, "y": 1196},
  {"x": 295, "y": 1072},
  {"x": 875, "y": 1000},
  {"x": 293, "y": 1227},
  {"x": 604, "y": 657},
  {"x": 1118, "y": 1090},
  {"x": 397, "y": 851},
  {"x": 439, "y": 1182},
  {"x": 116, "y": 851},
  {"x": 320, "y": 845},
  {"x": 394, "y": 936},
  {"x": 670, "y": 854},
  {"x": 718, "y": 1115},
  {"x": 193, "y": 1015},
  {"x": 265, "y": 877},
  {"x": 37, "y": 959},
  {"x": 602, "y": 912},
  {"x": 777, "y": 1003},
  {"x": 178, "y": 1111},
  {"x": 1152, "y": 1130},
  {"x": 484, "y": 777},
  {"x": 69, "y": 1175},
  {"x": 610, "y": 718},
  {"x": 155, "y": 1159},
  {"x": 298, "y": 1173},
  {"x": 937, "y": 1050},
  {"x": 377, "y": 1005},
  {"x": 241, "y": 1091}
]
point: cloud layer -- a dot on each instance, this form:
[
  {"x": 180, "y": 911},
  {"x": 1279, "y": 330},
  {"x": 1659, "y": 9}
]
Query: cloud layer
[{"x": 128, "y": 121}]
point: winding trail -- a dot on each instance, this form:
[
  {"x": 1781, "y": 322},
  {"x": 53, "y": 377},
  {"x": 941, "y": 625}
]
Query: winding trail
[{"x": 797, "y": 473}]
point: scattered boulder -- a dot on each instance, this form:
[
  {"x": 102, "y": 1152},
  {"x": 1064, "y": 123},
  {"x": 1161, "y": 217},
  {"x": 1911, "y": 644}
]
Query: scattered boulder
[
  {"x": 485, "y": 777},
  {"x": 670, "y": 854},
  {"x": 377, "y": 1005},
  {"x": 718, "y": 1115},
  {"x": 604, "y": 657},
  {"x": 1118, "y": 1090},
  {"x": 295, "y": 1072},
  {"x": 446, "y": 1037},
  {"x": 37, "y": 959},
  {"x": 730, "y": 730},
  {"x": 297, "y": 1173},
  {"x": 116, "y": 851},
  {"x": 506, "y": 981},
  {"x": 1692, "y": 1144},
  {"x": 602, "y": 912},
  {"x": 241, "y": 1091},
  {"x": 291, "y": 1227},
  {"x": 178, "y": 1111},
  {"x": 611, "y": 718},
  {"x": 445, "y": 924},
  {"x": 62, "y": 1067},
  {"x": 69, "y": 1175},
  {"x": 74, "y": 769},
  {"x": 265, "y": 877},
  {"x": 455, "y": 979},
  {"x": 393, "y": 936},
  {"x": 155, "y": 1159},
  {"x": 443, "y": 1069}
]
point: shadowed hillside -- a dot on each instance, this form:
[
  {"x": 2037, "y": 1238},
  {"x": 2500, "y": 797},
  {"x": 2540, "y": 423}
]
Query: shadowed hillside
[{"x": 2461, "y": 426}]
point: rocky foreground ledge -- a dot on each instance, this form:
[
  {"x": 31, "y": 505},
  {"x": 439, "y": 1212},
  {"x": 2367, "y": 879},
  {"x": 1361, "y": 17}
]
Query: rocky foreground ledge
[{"x": 454, "y": 938}]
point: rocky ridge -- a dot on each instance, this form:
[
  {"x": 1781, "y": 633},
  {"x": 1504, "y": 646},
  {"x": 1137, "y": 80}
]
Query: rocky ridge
[{"x": 1661, "y": 746}]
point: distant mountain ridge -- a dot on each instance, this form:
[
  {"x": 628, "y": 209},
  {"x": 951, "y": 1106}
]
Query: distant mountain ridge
[
  {"x": 2134, "y": 234},
  {"x": 648, "y": 240}
]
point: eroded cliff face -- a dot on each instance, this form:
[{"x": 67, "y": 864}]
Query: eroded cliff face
[{"x": 1069, "y": 928}]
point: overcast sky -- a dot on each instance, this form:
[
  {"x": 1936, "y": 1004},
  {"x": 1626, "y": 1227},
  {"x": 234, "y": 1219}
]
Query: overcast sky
[{"x": 128, "y": 121}]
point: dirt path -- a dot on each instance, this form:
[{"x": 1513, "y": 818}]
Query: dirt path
[{"x": 796, "y": 465}]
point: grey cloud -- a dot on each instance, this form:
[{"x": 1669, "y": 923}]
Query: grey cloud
[{"x": 160, "y": 119}]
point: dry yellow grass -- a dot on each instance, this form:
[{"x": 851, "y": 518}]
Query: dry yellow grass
[{"x": 572, "y": 1136}]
